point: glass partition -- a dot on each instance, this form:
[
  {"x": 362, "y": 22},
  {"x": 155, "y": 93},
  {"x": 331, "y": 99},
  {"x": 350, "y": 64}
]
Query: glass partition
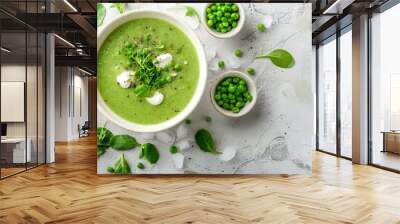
[
  {"x": 385, "y": 89},
  {"x": 22, "y": 77}
]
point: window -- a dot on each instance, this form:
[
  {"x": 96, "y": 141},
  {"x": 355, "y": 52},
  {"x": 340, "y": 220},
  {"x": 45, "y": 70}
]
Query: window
[
  {"x": 346, "y": 93},
  {"x": 327, "y": 96}
]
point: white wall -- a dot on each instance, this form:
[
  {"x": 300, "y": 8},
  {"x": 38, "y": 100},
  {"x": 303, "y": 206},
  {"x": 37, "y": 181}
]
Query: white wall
[{"x": 70, "y": 83}]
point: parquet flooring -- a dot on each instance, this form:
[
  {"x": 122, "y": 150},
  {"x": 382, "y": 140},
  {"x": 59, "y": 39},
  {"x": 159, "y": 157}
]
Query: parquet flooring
[{"x": 70, "y": 191}]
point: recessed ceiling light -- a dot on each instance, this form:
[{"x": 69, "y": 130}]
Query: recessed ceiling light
[
  {"x": 84, "y": 71},
  {"x": 5, "y": 50},
  {"x": 64, "y": 40},
  {"x": 70, "y": 5}
]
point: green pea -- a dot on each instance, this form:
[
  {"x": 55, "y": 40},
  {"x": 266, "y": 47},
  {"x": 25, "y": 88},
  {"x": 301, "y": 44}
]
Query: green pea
[
  {"x": 214, "y": 8},
  {"x": 229, "y": 80},
  {"x": 238, "y": 53},
  {"x": 221, "y": 64},
  {"x": 226, "y": 106},
  {"x": 224, "y": 96},
  {"x": 249, "y": 98},
  {"x": 220, "y": 102},
  {"x": 110, "y": 169},
  {"x": 208, "y": 10},
  {"x": 224, "y": 89},
  {"x": 261, "y": 27},
  {"x": 235, "y": 110},
  {"x": 178, "y": 67},
  {"x": 231, "y": 89},
  {"x": 219, "y": 13},
  {"x": 173, "y": 149},
  {"x": 234, "y": 24},
  {"x": 140, "y": 166},
  {"x": 235, "y": 8},
  {"x": 251, "y": 71},
  {"x": 242, "y": 82},
  {"x": 231, "y": 96},
  {"x": 210, "y": 23},
  {"x": 168, "y": 79},
  {"x": 241, "y": 89},
  {"x": 217, "y": 97}
]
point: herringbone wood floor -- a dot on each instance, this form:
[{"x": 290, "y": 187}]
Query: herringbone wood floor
[{"x": 69, "y": 191}]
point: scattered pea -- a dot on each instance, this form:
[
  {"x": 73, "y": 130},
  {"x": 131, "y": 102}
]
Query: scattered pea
[
  {"x": 188, "y": 121},
  {"x": 251, "y": 71},
  {"x": 221, "y": 64},
  {"x": 208, "y": 119},
  {"x": 261, "y": 27},
  {"x": 110, "y": 169},
  {"x": 238, "y": 53},
  {"x": 178, "y": 67},
  {"x": 140, "y": 166},
  {"x": 173, "y": 149}
]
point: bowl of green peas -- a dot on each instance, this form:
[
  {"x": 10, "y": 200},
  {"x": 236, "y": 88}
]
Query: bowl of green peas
[
  {"x": 233, "y": 93},
  {"x": 223, "y": 20}
]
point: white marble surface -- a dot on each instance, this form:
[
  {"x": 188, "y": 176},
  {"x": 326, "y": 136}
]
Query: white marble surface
[{"x": 277, "y": 136}]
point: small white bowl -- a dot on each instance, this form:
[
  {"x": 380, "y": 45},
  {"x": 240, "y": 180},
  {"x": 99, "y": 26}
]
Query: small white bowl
[
  {"x": 200, "y": 89},
  {"x": 229, "y": 34},
  {"x": 251, "y": 86}
]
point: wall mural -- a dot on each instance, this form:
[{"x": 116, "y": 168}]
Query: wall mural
[{"x": 204, "y": 88}]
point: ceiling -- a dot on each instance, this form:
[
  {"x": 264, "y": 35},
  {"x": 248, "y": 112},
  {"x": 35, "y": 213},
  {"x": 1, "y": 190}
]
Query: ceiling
[{"x": 75, "y": 22}]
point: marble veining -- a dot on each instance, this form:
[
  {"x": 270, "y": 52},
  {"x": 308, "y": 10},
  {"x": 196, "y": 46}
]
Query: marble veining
[{"x": 277, "y": 136}]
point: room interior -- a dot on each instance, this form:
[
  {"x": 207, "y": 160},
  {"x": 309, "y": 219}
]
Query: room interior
[{"x": 48, "y": 92}]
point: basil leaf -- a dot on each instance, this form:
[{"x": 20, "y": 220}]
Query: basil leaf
[
  {"x": 142, "y": 90},
  {"x": 149, "y": 152},
  {"x": 119, "y": 6},
  {"x": 101, "y": 13},
  {"x": 121, "y": 166},
  {"x": 123, "y": 142},
  {"x": 279, "y": 57},
  {"x": 205, "y": 141}
]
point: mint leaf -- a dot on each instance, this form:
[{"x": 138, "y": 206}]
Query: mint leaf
[
  {"x": 149, "y": 152},
  {"x": 121, "y": 166},
  {"x": 123, "y": 142},
  {"x": 205, "y": 141},
  {"x": 280, "y": 58}
]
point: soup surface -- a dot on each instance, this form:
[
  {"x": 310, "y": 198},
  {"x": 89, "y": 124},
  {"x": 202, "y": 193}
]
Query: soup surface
[{"x": 177, "y": 93}]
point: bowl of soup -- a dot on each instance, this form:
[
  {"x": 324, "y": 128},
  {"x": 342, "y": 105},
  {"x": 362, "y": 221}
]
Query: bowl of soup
[{"x": 151, "y": 71}]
